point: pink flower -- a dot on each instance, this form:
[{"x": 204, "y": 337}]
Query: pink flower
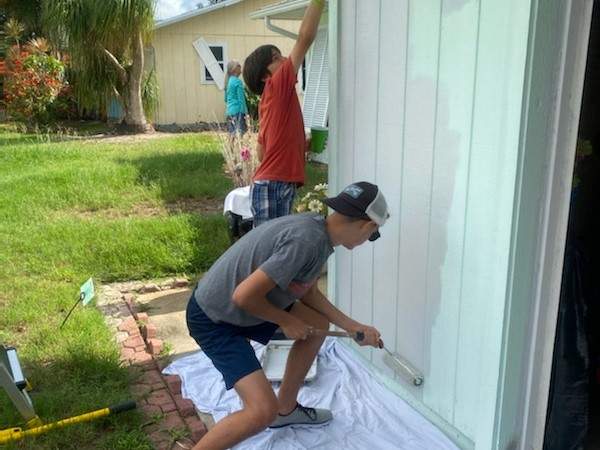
[{"x": 245, "y": 153}]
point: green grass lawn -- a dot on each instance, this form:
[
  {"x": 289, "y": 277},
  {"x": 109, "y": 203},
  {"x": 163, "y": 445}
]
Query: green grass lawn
[{"x": 78, "y": 209}]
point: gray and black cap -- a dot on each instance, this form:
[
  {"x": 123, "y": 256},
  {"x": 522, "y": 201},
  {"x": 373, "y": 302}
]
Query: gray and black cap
[{"x": 362, "y": 200}]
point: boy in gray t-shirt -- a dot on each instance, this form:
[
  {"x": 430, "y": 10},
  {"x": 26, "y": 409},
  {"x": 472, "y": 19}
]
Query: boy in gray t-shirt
[{"x": 268, "y": 279}]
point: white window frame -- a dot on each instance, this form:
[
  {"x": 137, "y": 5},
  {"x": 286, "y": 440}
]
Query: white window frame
[{"x": 203, "y": 68}]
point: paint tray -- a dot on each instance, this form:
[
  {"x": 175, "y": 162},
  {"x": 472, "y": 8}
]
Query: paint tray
[{"x": 274, "y": 359}]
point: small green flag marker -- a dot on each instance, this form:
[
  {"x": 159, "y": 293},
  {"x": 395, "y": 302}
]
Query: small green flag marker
[{"x": 86, "y": 294}]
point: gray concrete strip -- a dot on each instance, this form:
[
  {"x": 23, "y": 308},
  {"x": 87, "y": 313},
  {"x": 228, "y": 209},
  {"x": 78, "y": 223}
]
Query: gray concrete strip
[{"x": 166, "y": 310}]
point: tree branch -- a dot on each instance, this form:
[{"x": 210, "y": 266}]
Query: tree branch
[
  {"x": 117, "y": 93},
  {"x": 117, "y": 65}
]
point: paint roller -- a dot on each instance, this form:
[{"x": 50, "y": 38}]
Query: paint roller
[{"x": 395, "y": 361}]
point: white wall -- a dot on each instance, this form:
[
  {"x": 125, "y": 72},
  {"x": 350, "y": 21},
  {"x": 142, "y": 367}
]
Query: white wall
[{"x": 427, "y": 104}]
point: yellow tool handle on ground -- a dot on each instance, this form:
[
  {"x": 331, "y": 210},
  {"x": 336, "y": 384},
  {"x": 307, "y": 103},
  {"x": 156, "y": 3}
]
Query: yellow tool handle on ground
[{"x": 15, "y": 434}]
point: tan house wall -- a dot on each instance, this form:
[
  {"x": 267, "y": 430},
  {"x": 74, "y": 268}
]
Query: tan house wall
[{"x": 184, "y": 99}]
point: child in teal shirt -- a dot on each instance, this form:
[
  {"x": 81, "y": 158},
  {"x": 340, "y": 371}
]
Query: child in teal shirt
[{"x": 235, "y": 99}]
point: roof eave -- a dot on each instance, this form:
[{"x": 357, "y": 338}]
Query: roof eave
[
  {"x": 280, "y": 9},
  {"x": 195, "y": 13}
]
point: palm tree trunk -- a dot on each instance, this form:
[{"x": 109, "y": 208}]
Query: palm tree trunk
[{"x": 135, "y": 118}]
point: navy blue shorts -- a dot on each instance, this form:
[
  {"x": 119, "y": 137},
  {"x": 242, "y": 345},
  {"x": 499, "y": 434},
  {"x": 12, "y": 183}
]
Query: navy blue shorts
[
  {"x": 271, "y": 199},
  {"x": 227, "y": 345}
]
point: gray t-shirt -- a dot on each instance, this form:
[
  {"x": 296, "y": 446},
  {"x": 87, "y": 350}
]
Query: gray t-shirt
[{"x": 291, "y": 250}]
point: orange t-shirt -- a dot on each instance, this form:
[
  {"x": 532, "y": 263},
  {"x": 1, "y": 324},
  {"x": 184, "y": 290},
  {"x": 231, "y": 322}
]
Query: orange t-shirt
[{"x": 281, "y": 128}]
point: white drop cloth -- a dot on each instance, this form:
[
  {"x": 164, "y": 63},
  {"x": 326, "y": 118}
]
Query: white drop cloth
[
  {"x": 238, "y": 202},
  {"x": 366, "y": 414}
]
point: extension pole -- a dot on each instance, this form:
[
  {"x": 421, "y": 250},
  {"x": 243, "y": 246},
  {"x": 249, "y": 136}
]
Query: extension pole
[{"x": 15, "y": 434}]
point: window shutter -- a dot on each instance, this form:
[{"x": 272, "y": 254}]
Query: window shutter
[
  {"x": 210, "y": 62},
  {"x": 316, "y": 95}
]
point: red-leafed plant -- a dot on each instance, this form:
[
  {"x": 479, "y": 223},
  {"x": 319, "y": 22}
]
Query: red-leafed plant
[{"x": 33, "y": 82}]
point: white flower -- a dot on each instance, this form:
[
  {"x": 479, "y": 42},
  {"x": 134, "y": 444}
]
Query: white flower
[
  {"x": 320, "y": 187},
  {"x": 301, "y": 208},
  {"x": 315, "y": 206}
]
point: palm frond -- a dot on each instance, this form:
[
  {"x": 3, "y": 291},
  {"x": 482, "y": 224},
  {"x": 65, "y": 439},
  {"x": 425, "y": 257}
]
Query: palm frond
[
  {"x": 150, "y": 93},
  {"x": 88, "y": 29}
]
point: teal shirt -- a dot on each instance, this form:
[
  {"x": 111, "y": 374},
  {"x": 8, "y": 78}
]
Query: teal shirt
[{"x": 234, "y": 97}]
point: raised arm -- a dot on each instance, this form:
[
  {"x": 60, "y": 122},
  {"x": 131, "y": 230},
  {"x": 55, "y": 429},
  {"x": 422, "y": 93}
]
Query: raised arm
[{"x": 308, "y": 32}]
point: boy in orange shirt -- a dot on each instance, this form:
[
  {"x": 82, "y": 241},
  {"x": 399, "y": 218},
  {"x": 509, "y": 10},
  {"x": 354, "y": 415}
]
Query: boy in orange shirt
[{"x": 281, "y": 145}]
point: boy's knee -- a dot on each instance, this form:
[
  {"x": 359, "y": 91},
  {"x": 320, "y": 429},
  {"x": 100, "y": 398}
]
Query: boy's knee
[{"x": 264, "y": 414}]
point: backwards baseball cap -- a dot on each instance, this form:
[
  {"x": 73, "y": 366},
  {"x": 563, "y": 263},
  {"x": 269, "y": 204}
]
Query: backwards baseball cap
[{"x": 362, "y": 200}]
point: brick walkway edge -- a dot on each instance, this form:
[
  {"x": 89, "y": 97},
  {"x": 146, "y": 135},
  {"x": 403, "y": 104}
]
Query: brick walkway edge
[{"x": 172, "y": 421}]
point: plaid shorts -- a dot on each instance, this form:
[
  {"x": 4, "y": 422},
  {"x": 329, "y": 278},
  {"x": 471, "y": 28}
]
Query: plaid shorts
[{"x": 271, "y": 199}]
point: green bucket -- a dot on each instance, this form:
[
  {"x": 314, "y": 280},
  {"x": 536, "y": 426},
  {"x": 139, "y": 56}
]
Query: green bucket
[{"x": 318, "y": 141}]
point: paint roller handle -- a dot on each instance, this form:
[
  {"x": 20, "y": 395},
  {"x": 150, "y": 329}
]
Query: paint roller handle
[
  {"x": 405, "y": 367},
  {"x": 359, "y": 336}
]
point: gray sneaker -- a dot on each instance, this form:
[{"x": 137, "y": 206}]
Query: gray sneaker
[{"x": 301, "y": 415}]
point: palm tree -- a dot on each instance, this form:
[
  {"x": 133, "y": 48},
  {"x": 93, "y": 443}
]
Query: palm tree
[{"x": 105, "y": 41}]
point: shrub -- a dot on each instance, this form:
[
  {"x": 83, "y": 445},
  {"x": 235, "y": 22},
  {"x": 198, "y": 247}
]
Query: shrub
[
  {"x": 64, "y": 106},
  {"x": 239, "y": 152},
  {"x": 313, "y": 200},
  {"x": 252, "y": 101},
  {"x": 33, "y": 83}
]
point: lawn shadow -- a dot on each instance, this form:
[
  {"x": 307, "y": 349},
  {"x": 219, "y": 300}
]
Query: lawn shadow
[
  {"x": 18, "y": 139},
  {"x": 211, "y": 239},
  {"x": 193, "y": 185},
  {"x": 43, "y": 138},
  {"x": 184, "y": 175}
]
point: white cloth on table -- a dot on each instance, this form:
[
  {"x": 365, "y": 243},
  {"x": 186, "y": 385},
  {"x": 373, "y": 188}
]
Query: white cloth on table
[{"x": 366, "y": 414}]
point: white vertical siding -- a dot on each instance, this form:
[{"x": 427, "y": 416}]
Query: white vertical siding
[
  {"x": 364, "y": 149},
  {"x": 416, "y": 167},
  {"x": 427, "y": 105},
  {"x": 390, "y": 119},
  {"x": 493, "y": 161},
  {"x": 452, "y": 148},
  {"x": 345, "y": 120}
]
